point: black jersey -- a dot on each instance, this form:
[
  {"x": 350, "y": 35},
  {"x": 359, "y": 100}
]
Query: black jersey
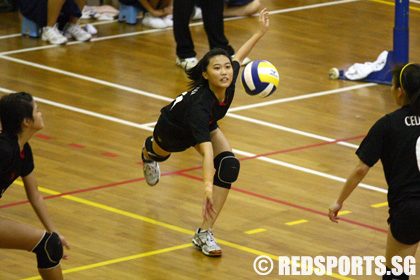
[
  {"x": 395, "y": 139},
  {"x": 13, "y": 163},
  {"x": 192, "y": 115}
]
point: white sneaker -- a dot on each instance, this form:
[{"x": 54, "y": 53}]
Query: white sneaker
[
  {"x": 196, "y": 14},
  {"x": 75, "y": 31},
  {"x": 204, "y": 240},
  {"x": 53, "y": 35},
  {"x": 186, "y": 63},
  {"x": 153, "y": 22},
  {"x": 151, "y": 172},
  {"x": 246, "y": 61},
  {"x": 168, "y": 20}
]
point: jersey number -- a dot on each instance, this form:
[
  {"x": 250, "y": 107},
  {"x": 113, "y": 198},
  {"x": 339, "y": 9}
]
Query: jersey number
[{"x": 178, "y": 99}]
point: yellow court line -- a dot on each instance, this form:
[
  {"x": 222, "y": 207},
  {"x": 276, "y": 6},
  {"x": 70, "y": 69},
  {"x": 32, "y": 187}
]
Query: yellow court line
[
  {"x": 296, "y": 222},
  {"x": 345, "y": 212},
  {"x": 260, "y": 253},
  {"x": 379, "y": 205},
  {"x": 123, "y": 259},
  {"x": 114, "y": 210},
  {"x": 258, "y": 230},
  {"x": 393, "y": 4},
  {"x": 175, "y": 228}
]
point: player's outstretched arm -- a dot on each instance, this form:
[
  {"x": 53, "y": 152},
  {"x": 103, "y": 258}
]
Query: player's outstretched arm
[
  {"x": 356, "y": 176},
  {"x": 206, "y": 150},
  {"x": 246, "y": 48}
]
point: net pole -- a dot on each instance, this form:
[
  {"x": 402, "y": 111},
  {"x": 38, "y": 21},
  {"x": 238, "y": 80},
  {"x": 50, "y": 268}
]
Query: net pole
[{"x": 401, "y": 35}]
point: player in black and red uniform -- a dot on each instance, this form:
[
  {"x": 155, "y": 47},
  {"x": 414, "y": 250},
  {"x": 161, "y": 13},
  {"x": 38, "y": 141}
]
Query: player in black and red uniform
[
  {"x": 395, "y": 140},
  {"x": 191, "y": 121},
  {"x": 20, "y": 119}
]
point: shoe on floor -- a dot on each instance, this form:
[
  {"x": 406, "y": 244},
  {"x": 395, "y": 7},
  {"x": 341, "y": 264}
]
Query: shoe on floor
[
  {"x": 204, "y": 240},
  {"x": 186, "y": 63},
  {"x": 76, "y": 32},
  {"x": 53, "y": 35},
  {"x": 151, "y": 172},
  {"x": 153, "y": 22},
  {"x": 168, "y": 21},
  {"x": 196, "y": 14},
  {"x": 246, "y": 61}
]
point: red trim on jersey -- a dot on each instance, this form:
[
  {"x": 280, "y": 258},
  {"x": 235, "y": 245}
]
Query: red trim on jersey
[
  {"x": 226, "y": 102},
  {"x": 22, "y": 154},
  {"x": 211, "y": 113}
]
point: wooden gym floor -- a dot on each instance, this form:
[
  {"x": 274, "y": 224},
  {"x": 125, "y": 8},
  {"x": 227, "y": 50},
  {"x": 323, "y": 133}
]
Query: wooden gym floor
[{"x": 100, "y": 100}]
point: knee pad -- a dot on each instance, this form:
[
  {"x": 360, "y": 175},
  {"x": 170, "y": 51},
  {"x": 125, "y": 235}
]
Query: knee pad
[
  {"x": 49, "y": 251},
  {"x": 394, "y": 277},
  {"x": 148, "y": 144},
  {"x": 227, "y": 169}
]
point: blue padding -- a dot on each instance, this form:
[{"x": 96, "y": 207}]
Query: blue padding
[
  {"x": 128, "y": 13},
  {"x": 30, "y": 27}
]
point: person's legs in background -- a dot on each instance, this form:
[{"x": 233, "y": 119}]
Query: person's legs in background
[
  {"x": 50, "y": 32},
  {"x": 182, "y": 10},
  {"x": 73, "y": 29},
  {"x": 212, "y": 11}
]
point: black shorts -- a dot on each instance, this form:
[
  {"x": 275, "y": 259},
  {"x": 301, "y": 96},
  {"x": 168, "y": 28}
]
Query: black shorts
[
  {"x": 170, "y": 137},
  {"x": 405, "y": 222}
]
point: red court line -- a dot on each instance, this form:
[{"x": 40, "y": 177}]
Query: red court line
[
  {"x": 78, "y": 191},
  {"x": 282, "y": 151},
  {"x": 43, "y": 136},
  {"x": 181, "y": 172},
  {"x": 304, "y": 147},
  {"x": 289, "y": 204},
  {"x": 76, "y": 146},
  {"x": 109, "y": 155}
]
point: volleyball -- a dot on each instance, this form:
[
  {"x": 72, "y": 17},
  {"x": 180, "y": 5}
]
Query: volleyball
[{"x": 260, "y": 78}]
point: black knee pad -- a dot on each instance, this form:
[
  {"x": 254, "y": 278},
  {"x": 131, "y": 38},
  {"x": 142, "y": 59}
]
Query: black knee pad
[
  {"x": 148, "y": 144},
  {"x": 227, "y": 169},
  {"x": 49, "y": 251},
  {"x": 394, "y": 277}
]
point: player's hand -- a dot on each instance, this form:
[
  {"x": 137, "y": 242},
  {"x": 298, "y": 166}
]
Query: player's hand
[
  {"x": 208, "y": 207},
  {"x": 65, "y": 244},
  {"x": 158, "y": 13},
  {"x": 264, "y": 21},
  {"x": 333, "y": 211},
  {"x": 167, "y": 10}
]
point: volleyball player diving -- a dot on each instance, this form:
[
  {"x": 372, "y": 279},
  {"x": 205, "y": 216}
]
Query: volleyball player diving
[{"x": 191, "y": 121}]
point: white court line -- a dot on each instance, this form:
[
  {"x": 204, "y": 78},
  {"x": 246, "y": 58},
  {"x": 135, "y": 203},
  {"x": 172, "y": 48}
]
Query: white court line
[
  {"x": 156, "y": 96},
  {"x": 161, "y": 30},
  {"x": 313, "y": 6},
  {"x": 152, "y": 95},
  {"x": 299, "y": 97},
  {"x": 86, "y": 112},
  {"x": 86, "y": 78},
  {"x": 307, "y": 170},
  {"x": 96, "y": 115},
  {"x": 10, "y": 36},
  {"x": 146, "y": 127},
  {"x": 291, "y": 130},
  {"x": 92, "y": 23},
  {"x": 78, "y": 42}
]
